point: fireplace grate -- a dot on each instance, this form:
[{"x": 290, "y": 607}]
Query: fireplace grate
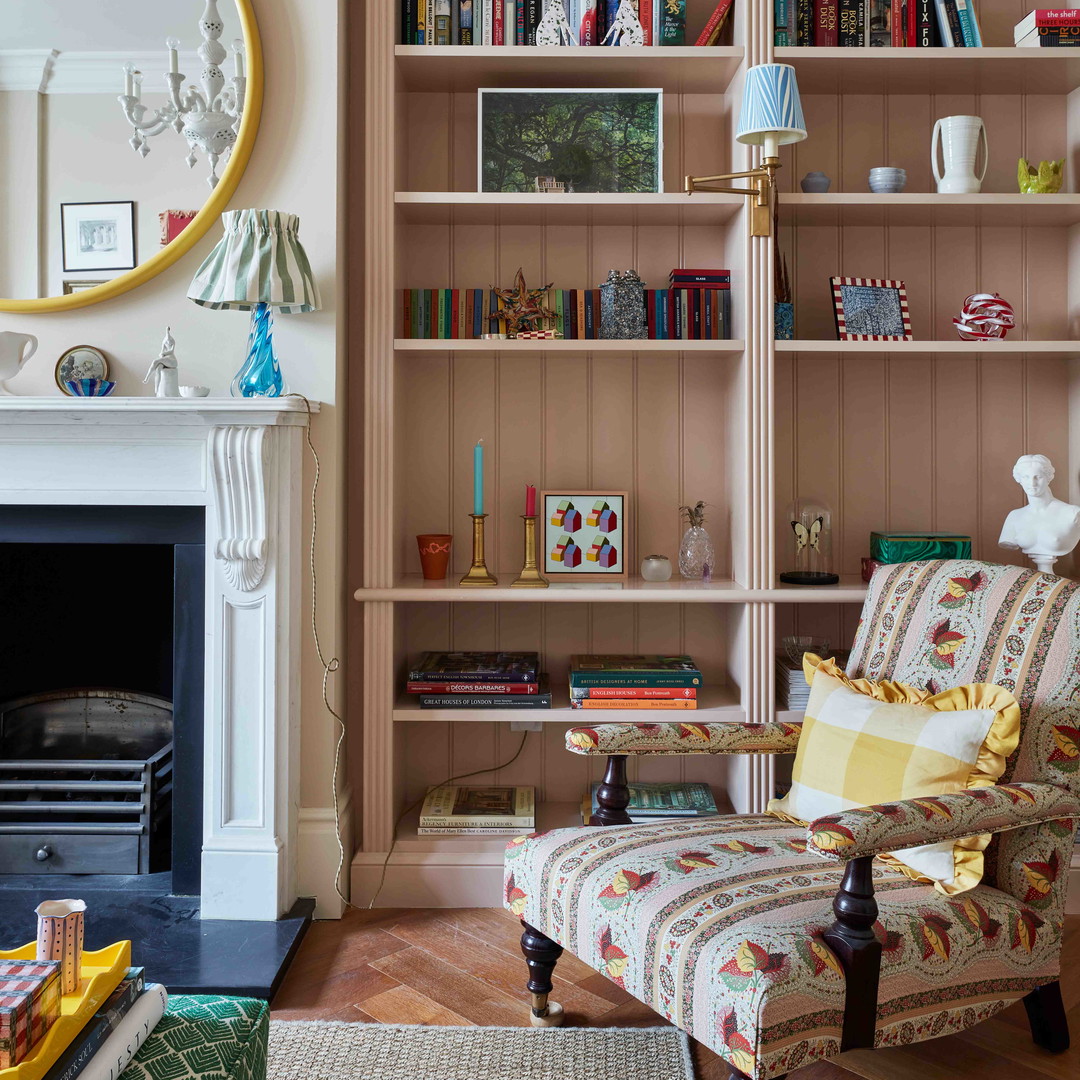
[{"x": 85, "y": 783}]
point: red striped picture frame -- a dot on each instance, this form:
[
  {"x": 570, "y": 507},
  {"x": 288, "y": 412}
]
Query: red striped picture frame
[{"x": 871, "y": 309}]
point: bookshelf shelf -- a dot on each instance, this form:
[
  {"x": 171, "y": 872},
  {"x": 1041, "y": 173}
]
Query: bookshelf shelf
[
  {"x": 593, "y": 209},
  {"x": 933, "y": 71},
  {"x": 1008, "y": 347},
  {"x": 715, "y": 704},
  {"x": 411, "y": 588},
  {"x": 565, "y": 347},
  {"x": 461, "y": 69},
  {"x": 549, "y": 815},
  {"x": 928, "y": 208}
]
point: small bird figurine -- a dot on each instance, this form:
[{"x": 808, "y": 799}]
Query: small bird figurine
[{"x": 164, "y": 369}]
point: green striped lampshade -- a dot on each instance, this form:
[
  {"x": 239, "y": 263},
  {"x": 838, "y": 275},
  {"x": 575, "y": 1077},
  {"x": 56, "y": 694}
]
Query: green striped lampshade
[{"x": 260, "y": 260}]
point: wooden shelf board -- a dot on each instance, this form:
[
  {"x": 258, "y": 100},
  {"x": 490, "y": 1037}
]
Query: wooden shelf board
[
  {"x": 924, "y": 208},
  {"x": 584, "y": 208},
  {"x": 681, "y": 69},
  {"x": 413, "y": 588},
  {"x": 1008, "y": 347},
  {"x": 933, "y": 71},
  {"x": 716, "y": 703},
  {"x": 790, "y": 716},
  {"x": 473, "y": 345}
]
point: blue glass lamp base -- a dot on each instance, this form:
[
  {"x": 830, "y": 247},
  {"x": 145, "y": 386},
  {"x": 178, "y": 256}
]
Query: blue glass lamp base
[{"x": 261, "y": 374}]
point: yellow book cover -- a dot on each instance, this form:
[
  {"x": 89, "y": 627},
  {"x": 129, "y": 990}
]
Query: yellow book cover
[{"x": 634, "y": 703}]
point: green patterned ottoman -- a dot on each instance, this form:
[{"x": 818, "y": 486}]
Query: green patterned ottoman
[{"x": 205, "y": 1036}]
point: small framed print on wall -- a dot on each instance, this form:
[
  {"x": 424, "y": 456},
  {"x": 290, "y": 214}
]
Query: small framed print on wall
[
  {"x": 584, "y": 535},
  {"x": 871, "y": 309},
  {"x": 98, "y": 236}
]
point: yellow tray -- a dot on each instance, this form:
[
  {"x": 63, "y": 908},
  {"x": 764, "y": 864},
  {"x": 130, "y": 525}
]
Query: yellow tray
[{"x": 102, "y": 972}]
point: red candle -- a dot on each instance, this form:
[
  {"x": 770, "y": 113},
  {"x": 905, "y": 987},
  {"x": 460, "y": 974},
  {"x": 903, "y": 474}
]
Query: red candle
[{"x": 530, "y": 500}]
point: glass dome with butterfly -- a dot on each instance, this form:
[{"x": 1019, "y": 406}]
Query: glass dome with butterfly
[{"x": 810, "y": 522}]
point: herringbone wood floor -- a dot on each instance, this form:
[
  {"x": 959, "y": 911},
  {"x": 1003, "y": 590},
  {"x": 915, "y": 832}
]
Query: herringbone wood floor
[{"x": 463, "y": 966}]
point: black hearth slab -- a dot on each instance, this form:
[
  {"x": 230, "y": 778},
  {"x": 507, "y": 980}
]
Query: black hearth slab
[{"x": 187, "y": 954}]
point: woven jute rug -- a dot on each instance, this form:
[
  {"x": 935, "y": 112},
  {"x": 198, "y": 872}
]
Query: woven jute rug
[{"x": 324, "y": 1049}]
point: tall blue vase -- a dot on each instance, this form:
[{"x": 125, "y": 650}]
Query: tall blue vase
[{"x": 261, "y": 374}]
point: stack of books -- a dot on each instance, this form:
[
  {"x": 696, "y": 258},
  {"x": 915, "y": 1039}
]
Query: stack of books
[
  {"x": 879, "y": 23},
  {"x": 633, "y": 682},
  {"x": 115, "y": 1032},
  {"x": 792, "y": 689},
  {"x": 479, "y": 680},
  {"x": 515, "y": 22},
  {"x": 655, "y": 802},
  {"x": 1046, "y": 28},
  {"x": 686, "y": 312},
  {"x": 478, "y": 811}
]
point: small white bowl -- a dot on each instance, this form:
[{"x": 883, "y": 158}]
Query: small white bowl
[{"x": 194, "y": 391}]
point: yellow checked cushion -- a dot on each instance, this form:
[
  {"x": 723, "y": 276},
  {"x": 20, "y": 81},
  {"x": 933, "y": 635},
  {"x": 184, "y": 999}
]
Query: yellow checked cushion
[{"x": 869, "y": 742}]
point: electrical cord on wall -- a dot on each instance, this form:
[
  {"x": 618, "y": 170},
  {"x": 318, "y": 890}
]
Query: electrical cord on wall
[{"x": 329, "y": 667}]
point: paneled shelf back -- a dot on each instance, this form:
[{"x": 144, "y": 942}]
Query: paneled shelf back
[
  {"x": 1007, "y": 347},
  {"x": 460, "y": 69},
  {"x": 934, "y": 71}
]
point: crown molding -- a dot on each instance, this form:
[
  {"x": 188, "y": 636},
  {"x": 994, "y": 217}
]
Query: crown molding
[{"x": 48, "y": 71}]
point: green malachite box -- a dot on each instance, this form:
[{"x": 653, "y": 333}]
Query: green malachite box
[{"x": 897, "y": 547}]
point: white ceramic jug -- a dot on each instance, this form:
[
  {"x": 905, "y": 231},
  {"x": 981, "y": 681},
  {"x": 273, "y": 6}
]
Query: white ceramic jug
[
  {"x": 958, "y": 139},
  {"x": 15, "y": 350}
]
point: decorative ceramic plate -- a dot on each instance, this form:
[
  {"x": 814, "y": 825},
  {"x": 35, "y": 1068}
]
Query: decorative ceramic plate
[{"x": 80, "y": 362}]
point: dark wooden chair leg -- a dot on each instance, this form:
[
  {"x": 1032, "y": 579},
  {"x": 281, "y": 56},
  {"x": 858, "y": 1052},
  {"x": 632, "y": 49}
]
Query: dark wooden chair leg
[
  {"x": 1046, "y": 1016},
  {"x": 541, "y": 954},
  {"x": 613, "y": 795},
  {"x": 857, "y": 948}
]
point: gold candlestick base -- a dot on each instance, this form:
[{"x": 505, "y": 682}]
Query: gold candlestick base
[
  {"x": 478, "y": 574},
  {"x": 530, "y": 576}
]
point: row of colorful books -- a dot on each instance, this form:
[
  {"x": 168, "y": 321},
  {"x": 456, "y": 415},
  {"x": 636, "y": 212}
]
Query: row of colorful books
[
  {"x": 878, "y": 23},
  {"x": 516, "y": 22},
  {"x": 650, "y": 803},
  {"x": 1048, "y": 28},
  {"x": 633, "y": 681},
  {"x": 479, "y": 680},
  {"x": 685, "y": 313},
  {"x": 30, "y": 1004}
]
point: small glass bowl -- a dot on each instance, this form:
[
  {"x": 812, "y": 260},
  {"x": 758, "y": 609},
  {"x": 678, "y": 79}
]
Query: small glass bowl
[{"x": 797, "y": 644}]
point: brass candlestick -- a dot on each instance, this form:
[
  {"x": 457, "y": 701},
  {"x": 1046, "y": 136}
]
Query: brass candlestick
[
  {"x": 478, "y": 573},
  {"x": 530, "y": 577}
]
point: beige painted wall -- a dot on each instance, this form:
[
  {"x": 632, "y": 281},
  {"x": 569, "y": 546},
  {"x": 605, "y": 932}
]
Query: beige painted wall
[{"x": 295, "y": 167}]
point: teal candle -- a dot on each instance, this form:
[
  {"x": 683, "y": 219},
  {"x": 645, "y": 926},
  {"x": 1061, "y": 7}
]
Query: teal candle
[{"x": 478, "y": 478}]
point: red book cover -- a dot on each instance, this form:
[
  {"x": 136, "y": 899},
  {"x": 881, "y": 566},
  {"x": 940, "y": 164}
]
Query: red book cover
[
  {"x": 455, "y": 300},
  {"x": 715, "y": 19},
  {"x": 408, "y": 313},
  {"x": 436, "y": 304},
  {"x": 911, "y": 24},
  {"x": 714, "y": 299},
  {"x": 686, "y": 271},
  {"x": 498, "y": 28},
  {"x": 472, "y": 688},
  {"x": 826, "y": 31},
  {"x": 645, "y": 18},
  {"x": 470, "y": 311},
  {"x": 897, "y": 23}
]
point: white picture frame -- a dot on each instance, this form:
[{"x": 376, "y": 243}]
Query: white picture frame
[
  {"x": 488, "y": 100},
  {"x": 98, "y": 236}
]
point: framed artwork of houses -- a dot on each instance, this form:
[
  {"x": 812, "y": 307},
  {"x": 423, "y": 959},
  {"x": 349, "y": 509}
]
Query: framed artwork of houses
[{"x": 584, "y": 535}]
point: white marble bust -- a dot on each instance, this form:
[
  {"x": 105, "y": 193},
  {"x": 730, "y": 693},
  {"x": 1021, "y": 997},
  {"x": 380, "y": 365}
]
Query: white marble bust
[{"x": 1046, "y": 528}]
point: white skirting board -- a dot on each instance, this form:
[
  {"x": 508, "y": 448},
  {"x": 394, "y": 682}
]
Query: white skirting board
[
  {"x": 318, "y": 855},
  {"x": 450, "y": 881}
]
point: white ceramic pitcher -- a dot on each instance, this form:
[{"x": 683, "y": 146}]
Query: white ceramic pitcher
[
  {"x": 958, "y": 139},
  {"x": 15, "y": 350}
]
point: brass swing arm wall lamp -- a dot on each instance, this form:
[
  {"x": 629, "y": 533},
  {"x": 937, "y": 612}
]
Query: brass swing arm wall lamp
[{"x": 771, "y": 115}]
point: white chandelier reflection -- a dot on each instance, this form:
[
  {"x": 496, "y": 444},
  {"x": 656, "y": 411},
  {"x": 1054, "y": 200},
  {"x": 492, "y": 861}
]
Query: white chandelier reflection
[{"x": 209, "y": 118}]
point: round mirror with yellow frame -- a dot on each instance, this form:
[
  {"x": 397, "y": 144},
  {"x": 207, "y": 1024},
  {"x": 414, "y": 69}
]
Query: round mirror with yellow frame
[{"x": 144, "y": 114}]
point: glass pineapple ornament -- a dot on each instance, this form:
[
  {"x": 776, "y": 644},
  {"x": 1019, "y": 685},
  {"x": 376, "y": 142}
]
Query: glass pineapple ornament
[{"x": 697, "y": 557}]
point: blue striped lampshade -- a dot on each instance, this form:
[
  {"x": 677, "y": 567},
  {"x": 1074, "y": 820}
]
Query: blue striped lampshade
[
  {"x": 260, "y": 260},
  {"x": 771, "y": 106}
]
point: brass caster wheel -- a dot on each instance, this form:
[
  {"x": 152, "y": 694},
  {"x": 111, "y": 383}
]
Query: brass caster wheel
[{"x": 553, "y": 1016}]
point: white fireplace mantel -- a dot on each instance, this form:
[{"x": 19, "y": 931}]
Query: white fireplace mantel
[{"x": 241, "y": 460}]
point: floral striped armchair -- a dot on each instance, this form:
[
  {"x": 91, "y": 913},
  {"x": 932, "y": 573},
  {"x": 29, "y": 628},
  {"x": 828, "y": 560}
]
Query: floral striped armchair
[{"x": 776, "y": 952}]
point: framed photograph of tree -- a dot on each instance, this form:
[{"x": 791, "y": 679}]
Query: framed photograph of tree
[{"x": 557, "y": 141}]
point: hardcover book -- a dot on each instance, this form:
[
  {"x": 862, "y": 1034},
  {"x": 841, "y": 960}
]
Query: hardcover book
[
  {"x": 651, "y": 801},
  {"x": 588, "y": 670},
  {"x": 669, "y": 705},
  {"x": 851, "y": 24},
  {"x": 503, "y": 689},
  {"x": 502, "y": 667},
  {"x": 488, "y": 807},
  {"x": 541, "y": 700},
  {"x": 652, "y": 693},
  {"x": 673, "y": 22}
]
